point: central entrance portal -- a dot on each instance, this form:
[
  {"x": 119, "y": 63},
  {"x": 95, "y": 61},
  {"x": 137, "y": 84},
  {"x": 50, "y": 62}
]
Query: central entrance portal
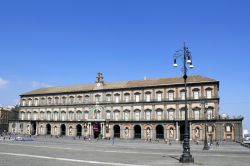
[{"x": 96, "y": 130}]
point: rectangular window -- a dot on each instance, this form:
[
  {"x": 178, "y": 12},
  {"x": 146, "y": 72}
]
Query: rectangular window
[
  {"x": 117, "y": 99},
  {"x": 116, "y": 115},
  {"x": 86, "y": 115},
  {"x": 183, "y": 115},
  {"x": 126, "y": 115},
  {"x": 137, "y": 115},
  {"x": 126, "y": 98},
  {"x": 108, "y": 115},
  {"x": 209, "y": 94},
  {"x": 148, "y": 115},
  {"x": 159, "y": 96},
  {"x": 196, "y": 94},
  {"x": 137, "y": 98},
  {"x": 182, "y": 95},
  {"x": 97, "y": 99},
  {"x": 197, "y": 115},
  {"x": 148, "y": 96},
  {"x": 171, "y": 115},
  {"x": 159, "y": 115},
  {"x": 170, "y": 96},
  {"x": 108, "y": 98}
]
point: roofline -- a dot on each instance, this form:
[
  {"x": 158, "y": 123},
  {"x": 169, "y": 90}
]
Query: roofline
[{"x": 124, "y": 88}]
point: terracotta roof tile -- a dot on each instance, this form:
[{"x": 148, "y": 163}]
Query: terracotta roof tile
[{"x": 120, "y": 85}]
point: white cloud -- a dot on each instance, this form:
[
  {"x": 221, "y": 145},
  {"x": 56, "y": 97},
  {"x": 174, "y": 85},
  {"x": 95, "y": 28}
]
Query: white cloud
[
  {"x": 3, "y": 82},
  {"x": 36, "y": 84}
]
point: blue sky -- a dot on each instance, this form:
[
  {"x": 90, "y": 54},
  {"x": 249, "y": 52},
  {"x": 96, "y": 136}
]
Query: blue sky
[{"x": 67, "y": 42}]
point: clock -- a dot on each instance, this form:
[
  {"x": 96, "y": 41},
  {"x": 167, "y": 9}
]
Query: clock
[{"x": 98, "y": 84}]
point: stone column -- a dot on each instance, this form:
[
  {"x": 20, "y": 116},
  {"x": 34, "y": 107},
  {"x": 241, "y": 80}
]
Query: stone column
[{"x": 177, "y": 131}]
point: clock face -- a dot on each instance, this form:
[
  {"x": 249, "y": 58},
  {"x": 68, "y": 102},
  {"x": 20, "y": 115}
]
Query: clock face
[{"x": 98, "y": 84}]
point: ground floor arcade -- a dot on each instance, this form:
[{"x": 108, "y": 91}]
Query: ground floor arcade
[{"x": 174, "y": 131}]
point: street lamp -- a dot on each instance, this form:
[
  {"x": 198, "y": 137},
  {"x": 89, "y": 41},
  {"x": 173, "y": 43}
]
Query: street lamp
[
  {"x": 184, "y": 53},
  {"x": 206, "y": 147}
]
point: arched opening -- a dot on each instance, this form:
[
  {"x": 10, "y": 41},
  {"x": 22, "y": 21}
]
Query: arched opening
[
  {"x": 33, "y": 128},
  {"x": 160, "y": 132},
  {"x": 96, "y": 130},
  {"x": 137, "y": 130},
  {"x": 79, "y": 130},
  {"x": 48, "y": 129},
  {"x": 117, "y": 131},
  {"x": 63, "y": 130}
]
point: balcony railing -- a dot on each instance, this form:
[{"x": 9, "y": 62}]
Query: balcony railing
[{"x": 179, "y": 99}]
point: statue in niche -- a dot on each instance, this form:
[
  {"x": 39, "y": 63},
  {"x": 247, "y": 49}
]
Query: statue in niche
[
  {"x": 171, "y": 133},
  {"x": 197, "y": 133}
]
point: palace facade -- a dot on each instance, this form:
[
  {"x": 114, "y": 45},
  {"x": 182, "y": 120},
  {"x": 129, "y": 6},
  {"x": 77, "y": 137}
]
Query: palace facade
[{"x": 143, "y": 109}]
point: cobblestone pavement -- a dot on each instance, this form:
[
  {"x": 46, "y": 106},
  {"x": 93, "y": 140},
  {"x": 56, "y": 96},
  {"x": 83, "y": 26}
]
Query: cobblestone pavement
[{"x": 67, "y": 151}]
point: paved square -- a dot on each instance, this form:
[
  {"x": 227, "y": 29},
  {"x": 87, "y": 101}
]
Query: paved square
[{"x": 66, "y": 151}]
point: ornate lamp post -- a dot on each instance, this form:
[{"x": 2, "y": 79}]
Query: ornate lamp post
[
  {"x": 184, "y": 53},
  {"x": 206, "y": 147}
]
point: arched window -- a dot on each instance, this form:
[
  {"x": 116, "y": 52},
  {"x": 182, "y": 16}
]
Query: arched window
[
  {"x": 43, "y": 101},
  {"x": 86, "y": 98},
  {"x": 210, "y": 111},
  {"x": 28, "y": 115},
  {"x": 56, "y": 116},
  {"x": 56, "y": 100},
  {"x": 63, "y": 115},
  {"x": 159, "y": 114},
  {"x": 137, "y": 115},
  {"x": 30, "y": 102},
  {"x": 35, "y": 115},
  {"x": 137, "y": 97},
  {"x": 159, "y": 96},
  {"x": 97, "y": 98},
  {"x": 23, "y": 102},
  {"x": 86, "y": 115},
  {"x": 182, "y": 94},
  {"x": 36, "y": 101},
  {"x": 148, "y": 96},
  {"x": 117, "y": 115},
  {"x": 79, "y": 99},
  {"x": 196, "y": 93},
  {"x": 127, "y": 97},
  {"x": 71, "y": 115},
  {"x": 196, "y": 113},
  {"x": 148, "y": 114},
  {"x": 117, "y": 98},
  {"x": 49, "y": 100},
  {"x": 171, "y": 114},
  {"x": 78, "y": 115},
  {"x": 182, "y": 113},
  {"x": 48, "y": 115},
  {"x": 209, "y": 93},
  {"x": 108, "y": 98},
  {"x": 22, "y": 115},
  {"x": 171, "y": 95},
  {"x": 108, "y": 115},
  {"x": 71, "y": 99},
  {"x": 41, "y": 115},
  {"x": 126, "y": 115},
  {"x": 64, "y": 100}
]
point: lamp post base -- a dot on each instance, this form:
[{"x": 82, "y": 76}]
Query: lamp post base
[
  {"x": 186, "y": 159},
  {"x": 206, "y": 147}
]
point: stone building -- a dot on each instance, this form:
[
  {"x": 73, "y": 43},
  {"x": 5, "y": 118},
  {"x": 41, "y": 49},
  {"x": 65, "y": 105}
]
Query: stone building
[
  {"x": 6, "y": 113},
  {"x": 143, "y": 109}
]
